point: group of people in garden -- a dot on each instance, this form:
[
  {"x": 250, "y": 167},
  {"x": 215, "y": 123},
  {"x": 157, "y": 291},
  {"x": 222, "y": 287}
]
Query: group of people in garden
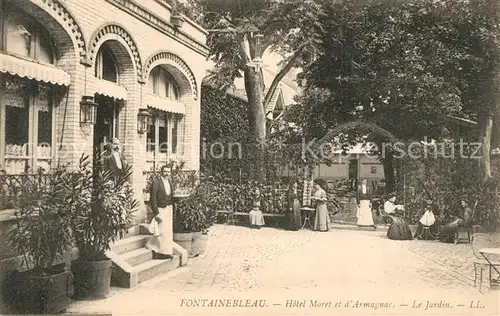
[{"x": 293, "y": 215}]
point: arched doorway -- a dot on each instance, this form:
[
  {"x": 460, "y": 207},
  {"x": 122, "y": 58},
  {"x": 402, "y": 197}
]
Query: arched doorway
[
  {"x": 113, "y": 71},
  {"x": 108, "y": 109},
  {"x": 381, "y": 140},
  {"x": 353, "y": 162}
]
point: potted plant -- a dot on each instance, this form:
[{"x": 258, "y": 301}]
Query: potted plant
[
  {"x": 175, "y": 18},
  {"x": 42, "y": 235},
  {"x": 213, "y": 193},
  {"x": 208, "y": 203},
  {"x": 189, "y": 218},
  {"x": 102, "y": 216}
]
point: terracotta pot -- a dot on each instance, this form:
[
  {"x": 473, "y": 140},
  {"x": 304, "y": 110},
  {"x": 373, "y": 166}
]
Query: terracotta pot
[
  {"x": 48, "y": 294},
  {"x": 92, "y": 279},
  {"x": 185, "y": 240},
  {"x": 177, "y": 20}
]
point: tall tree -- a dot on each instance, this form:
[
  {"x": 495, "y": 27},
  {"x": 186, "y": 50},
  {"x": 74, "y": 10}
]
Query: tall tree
[
  {"x": 402, "y": 64},
  {"x": 240, "y": 32},
  {"x": 489, "y": 114}
]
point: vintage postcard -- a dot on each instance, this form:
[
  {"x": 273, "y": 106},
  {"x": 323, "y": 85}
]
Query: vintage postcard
[{"x": 250, "y": 157}]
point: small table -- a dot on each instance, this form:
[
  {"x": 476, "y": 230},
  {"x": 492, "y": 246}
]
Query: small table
[
  {"x": 491, "y": 251},
  {"x": 428, "y": 230},
  {"x": 308, "y": 211}
]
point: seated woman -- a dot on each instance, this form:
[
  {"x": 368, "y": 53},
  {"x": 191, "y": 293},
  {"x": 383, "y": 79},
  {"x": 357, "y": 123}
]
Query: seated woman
[
  {"x": 255, "y": 216},
  {"x": 399, "y": 229}
]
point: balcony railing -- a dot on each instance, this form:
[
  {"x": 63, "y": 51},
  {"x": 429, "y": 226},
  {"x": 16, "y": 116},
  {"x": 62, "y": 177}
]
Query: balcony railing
[{"x": 11, "y": 187}]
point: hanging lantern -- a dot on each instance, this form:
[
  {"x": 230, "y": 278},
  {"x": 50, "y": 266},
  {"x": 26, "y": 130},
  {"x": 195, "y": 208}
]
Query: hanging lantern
[
  {"x": 143, "y": 120},
  {"x": 88, "y": 110}
]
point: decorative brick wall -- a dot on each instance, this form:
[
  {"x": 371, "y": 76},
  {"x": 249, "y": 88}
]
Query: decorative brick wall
[{"x": 139, "y": 43}]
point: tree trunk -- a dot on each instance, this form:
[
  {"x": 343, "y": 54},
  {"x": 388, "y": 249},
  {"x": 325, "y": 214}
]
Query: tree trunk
[
  {"x": 390, "y": 181},
  {"x": 495, "y": 136},
  {"x": 256, "y": 118},
  {"x": 489, "y": 134},
  {"x": 486, "y": 130}
]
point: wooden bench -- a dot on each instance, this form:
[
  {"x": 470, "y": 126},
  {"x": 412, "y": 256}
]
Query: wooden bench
[{"x": 245, "y": 214}]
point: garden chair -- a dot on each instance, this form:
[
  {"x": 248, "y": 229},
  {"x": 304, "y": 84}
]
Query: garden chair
[
  {"x": 386, "y": 218},
  {"x": 479, "y": 241}
]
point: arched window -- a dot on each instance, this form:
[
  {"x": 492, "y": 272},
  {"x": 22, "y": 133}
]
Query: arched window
[
  {"x": 24, "y": 37},
  {"x": 105, "y": 65},
  {"x": 162, "y": 84},
  {"x": 27, "y": 119},
  {"x": 163, "y": 133}
]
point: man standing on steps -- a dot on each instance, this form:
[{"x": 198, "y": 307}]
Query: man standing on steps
[
  {"x": 161, "y": 200},
  {"x": 114, "y": 159}
]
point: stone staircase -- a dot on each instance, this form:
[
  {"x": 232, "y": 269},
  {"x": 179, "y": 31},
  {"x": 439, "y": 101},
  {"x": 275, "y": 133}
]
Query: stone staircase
[{"x": 133, "y": 263}]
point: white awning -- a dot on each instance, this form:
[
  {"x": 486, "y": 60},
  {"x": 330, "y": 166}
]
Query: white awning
[
  {"x": 33, "y": 70},
  {"x": 165, "y": 104},
  {"x": 110, "y": 89}
]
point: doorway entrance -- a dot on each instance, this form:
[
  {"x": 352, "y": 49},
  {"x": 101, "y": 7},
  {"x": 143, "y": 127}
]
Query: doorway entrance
[
  {"x": 106, "y": 125},
  {"x": 353, "y": 173}
]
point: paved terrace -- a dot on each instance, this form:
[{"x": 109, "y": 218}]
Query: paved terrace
[{"x": 336, "y": 267}]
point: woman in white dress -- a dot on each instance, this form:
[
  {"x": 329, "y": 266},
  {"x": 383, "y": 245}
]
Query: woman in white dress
[
  {"x": 364, "y": 199},
  {"x": 161, "y": 200},
  {"x": 255, "y": 216}
]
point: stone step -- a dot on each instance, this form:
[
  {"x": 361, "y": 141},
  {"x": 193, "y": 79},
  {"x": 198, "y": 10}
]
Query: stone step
[
  {"x": 152, "y": 268},
  {"x": 132, "y": 231},
  {"x": 137, "y": 256},
  {"x": 130, "y": 243}
]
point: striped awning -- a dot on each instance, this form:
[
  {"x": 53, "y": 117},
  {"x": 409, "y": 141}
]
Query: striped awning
[
  {"x": 33, "y": 70},
  {"x": 165, "y": 104},
  {"x": 110, "y": 89}
]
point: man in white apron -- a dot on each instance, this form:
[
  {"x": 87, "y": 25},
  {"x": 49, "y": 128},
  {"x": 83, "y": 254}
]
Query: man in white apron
[{"x": 161, "y": 200}]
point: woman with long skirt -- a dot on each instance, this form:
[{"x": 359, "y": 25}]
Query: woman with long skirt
[
  {"x": 322, "y": 222},
  {"x": 364, "y": 199},
  {"x": 293, "y": 208},
  {"x": 399, "y": 229}
]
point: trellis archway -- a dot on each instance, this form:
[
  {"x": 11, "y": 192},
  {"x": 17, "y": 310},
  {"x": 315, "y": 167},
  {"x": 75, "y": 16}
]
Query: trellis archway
[
  {"x": 360, "y": 127},
  {"x": 382, "y": 136}
]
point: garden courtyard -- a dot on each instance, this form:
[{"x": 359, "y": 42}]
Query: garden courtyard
[{"x": 278, "y": 266}]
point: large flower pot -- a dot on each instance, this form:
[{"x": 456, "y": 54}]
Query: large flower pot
[
  {"x": 199, "y": 244},
  {"x": 176, "y": 20},
  {"x": 92, "y": 279},
  {"x": 47, "y": 294},
  {"x": 185, "y": 240}
]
